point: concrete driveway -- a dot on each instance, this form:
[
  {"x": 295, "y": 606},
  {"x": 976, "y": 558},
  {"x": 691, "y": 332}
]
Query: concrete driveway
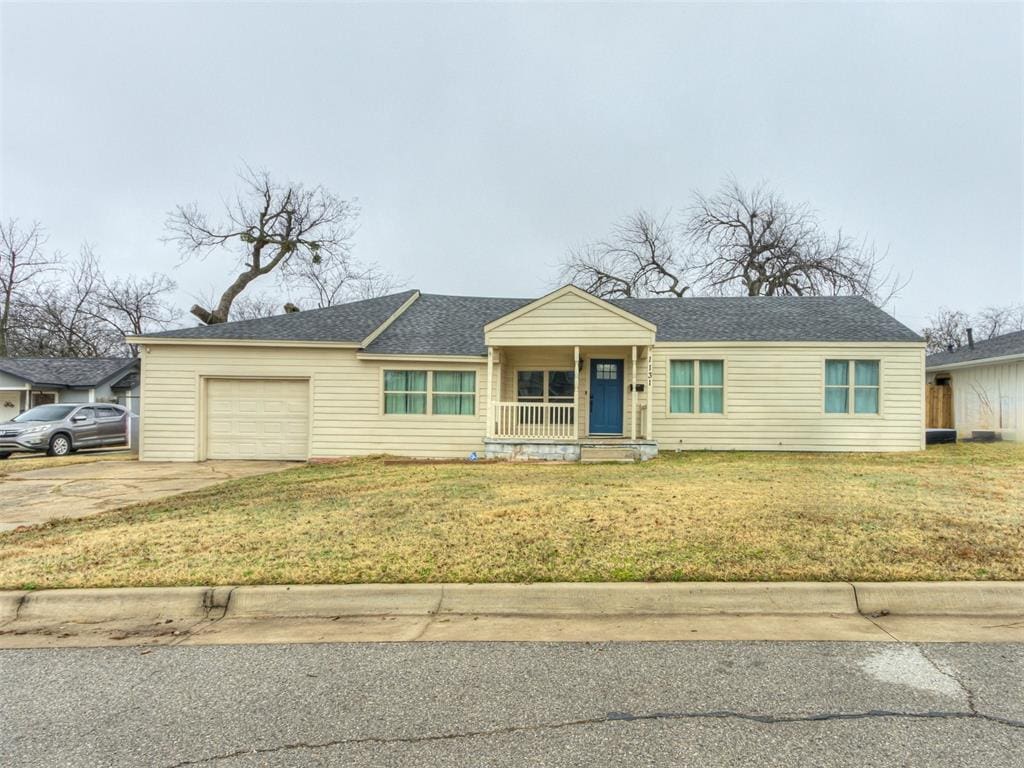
[{"x": 79, "y": 490}]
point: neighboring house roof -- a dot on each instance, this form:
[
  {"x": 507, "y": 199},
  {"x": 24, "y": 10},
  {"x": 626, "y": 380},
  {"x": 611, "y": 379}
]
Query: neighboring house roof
[
  {"x": 129, "y": 381},
  {"x": 66, "y": 372},
  {"x": 454, "y": 325},
  {"x": 1007, "y": 345},
  {"x": 351, "y": 322}
]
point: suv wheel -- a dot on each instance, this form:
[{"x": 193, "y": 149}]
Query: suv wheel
[
  {"x": 4, "y": 456},
  {"x": 60, "y": 445}
]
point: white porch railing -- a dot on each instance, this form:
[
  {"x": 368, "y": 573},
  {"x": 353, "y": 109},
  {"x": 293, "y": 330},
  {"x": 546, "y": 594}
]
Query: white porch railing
[{"x": 536, "y": 421}]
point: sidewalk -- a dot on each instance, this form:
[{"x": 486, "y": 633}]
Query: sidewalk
[{"x": 880, "y": 612}]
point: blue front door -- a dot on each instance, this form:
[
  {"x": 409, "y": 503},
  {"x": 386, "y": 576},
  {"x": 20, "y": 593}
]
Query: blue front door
[{"x": 606, "y": 397}]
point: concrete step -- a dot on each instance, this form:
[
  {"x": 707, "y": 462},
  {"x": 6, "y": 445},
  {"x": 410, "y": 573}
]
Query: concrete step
[{"x": 596, "y": 454}]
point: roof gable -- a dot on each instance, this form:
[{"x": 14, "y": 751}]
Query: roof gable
[
  {"x": 569, "y": 316},
  {"x": 560, "y": 296}
]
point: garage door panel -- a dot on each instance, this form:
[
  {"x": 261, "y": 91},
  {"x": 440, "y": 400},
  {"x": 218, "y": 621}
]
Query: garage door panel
[{"x": 257, "y": 419}]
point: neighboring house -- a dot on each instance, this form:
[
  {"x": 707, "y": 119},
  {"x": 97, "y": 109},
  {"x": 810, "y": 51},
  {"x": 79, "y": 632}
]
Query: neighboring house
[
  {"x": 985, "y": 386},
  {"x": 29, "y": 381},
  {"x": 447, "y": 376}
]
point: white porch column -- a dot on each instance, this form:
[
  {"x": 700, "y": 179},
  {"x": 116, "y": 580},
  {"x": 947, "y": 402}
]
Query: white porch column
[
  {"x": 575, "y": 393},
  {"x": 490, "y": 406},
  {"x": 632, "y": 418},
  {"x": 650, "y": 385}
]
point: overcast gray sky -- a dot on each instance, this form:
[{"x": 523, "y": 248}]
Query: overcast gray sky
[{"x": 484, "y": 140}]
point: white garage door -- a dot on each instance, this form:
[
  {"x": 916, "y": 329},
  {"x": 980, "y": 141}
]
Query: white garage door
[{"x": 257, "y": 419}]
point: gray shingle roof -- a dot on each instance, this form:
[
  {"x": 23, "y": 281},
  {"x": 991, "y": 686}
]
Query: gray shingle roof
[
  {"x": 454, "y": 325},
  {"x": 999, "y": 346},
  {"x": 443, "y": 325},
  {"x": 350, "y": 322},
  {"x": 75, "y": 372},
  {"x": 768, "y": 318}
]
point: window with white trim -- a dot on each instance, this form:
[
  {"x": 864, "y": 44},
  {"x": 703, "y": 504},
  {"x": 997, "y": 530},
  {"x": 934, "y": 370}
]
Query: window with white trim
[
  {"x": 852, "y": 386},
  {"x": 553, "y": 386},
  {"x": 696, "y": 386},
  {"x": 439, "y": 393}
]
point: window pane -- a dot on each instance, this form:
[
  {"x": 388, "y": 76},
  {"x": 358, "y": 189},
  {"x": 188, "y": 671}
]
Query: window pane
[
  {"x": 865, "y": 400},
  {"x": 837, "y": 372},
  {"x": 865, "y": 373},
  {"x": 530, "y": 383},
  {"x": 457, "y": 405},
  {"x": 405, "y": 381},
  {"x": 837, "y": 400},
  {"x": 681, "y": 400},
  {"x": 405, "y": 404},
  {"x": 607, "y": 370},
  {"x": 454, "y": 381},
  {"x": 560, "y": 383},
  {"x": 682, "y": 373},
  {"x": 711, "y": 373},
  {"x": 710, "y": 399}
]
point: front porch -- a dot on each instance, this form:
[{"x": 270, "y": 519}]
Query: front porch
[
  {"x": 569, "y": 403},
  {"x": 565, "y": 374}
]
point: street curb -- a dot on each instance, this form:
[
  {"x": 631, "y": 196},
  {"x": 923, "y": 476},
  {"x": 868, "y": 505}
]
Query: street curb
[
  {"x": 649, "y": 599},
  {"x": 88, "y": 606},
  {"x": 942, "y": 598}
]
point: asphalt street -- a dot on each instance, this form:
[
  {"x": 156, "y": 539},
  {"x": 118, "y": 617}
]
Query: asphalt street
[{"x": 515, "y": 704}]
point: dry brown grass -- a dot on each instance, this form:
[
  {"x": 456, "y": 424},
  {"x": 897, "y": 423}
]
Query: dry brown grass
[
  {"x": 26, "y": 462},
  {"x": 954, "y": 512}
]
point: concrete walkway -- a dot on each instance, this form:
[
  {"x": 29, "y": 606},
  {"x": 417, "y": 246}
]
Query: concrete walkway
[
  {"x": 79, "y": 490},
  {"x": 894, "y": 612}
]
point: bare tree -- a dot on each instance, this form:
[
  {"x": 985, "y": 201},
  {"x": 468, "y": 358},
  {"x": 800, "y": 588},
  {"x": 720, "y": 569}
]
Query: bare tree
[
  {"x": 638, "y": 258},
  {"x": 61, "y": 319},
  {"x": 88, "y": 314},
  {"x": 135, "y": 305},
  {"x": 326, "y": 283},
  {"x": 947, "y": 329},
  {"x": 995, "y": 321},
  {"x": 757, "y": 243},
  {"x": 253, "y": 306},
  {"x": 268, "y": 226},
  {"x": 23, "y": 264}
]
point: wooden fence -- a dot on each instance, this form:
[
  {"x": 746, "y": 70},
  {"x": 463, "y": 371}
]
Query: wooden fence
[{"x": 939, "y": 402}]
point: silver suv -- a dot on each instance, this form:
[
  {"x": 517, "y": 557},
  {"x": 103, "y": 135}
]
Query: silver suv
[{"x": 63, "y": 429}]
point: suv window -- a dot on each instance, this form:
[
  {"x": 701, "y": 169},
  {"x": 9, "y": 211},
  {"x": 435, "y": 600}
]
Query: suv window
[
  {"x": 85, "y": 413},
  {"x": 109, "y": 413}
]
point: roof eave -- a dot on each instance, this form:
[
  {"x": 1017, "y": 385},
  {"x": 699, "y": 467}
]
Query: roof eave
[
  {"x": 185, "y": 341},
  {"x": 978, "y": 361}
]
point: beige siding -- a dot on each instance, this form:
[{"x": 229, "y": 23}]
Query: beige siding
[
  {"x": 774, "y": 400},
  {"x": 989, "y": 397},
  {"x": 347, "y": 417},
  {"x": 569, "y": 319}
]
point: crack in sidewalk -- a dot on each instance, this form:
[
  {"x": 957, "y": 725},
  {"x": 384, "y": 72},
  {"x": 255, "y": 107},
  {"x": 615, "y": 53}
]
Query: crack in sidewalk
[{"x": 613, "y": 717}]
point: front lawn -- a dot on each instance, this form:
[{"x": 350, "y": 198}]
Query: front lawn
[{"x": 954, "y": 512}]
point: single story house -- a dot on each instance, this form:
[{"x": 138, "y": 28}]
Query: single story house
[
  {"x": 981, "y": 387},
  {"x": 563, "y": 376},
  {"x": 29, "y": 381}
]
